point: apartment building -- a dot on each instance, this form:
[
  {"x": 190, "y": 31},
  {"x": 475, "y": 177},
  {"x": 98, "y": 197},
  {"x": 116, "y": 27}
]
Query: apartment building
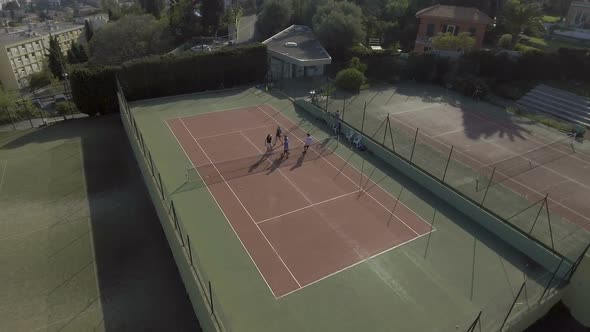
[{"x": 23, "y": 50}]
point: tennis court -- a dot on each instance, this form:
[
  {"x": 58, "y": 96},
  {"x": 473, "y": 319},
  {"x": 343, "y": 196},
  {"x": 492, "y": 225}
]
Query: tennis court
[
  {"x": 300, "y": 223},
  {"x": 512, "y": 165},
  {"x": 331, "y": 240}
]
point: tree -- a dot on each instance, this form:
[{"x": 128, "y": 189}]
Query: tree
[
  {"x": 153, "y": 7},
  {"x": 12, "y": 6},
  {"x": 519, "y": 17},
  {"x": 339, "y": 26},
  {"x": 274, "y": 17},
  {"x": 55, "y": 58},
  {"x": 88, "y": 30},
  {"x": 505, "y": 41},
  {"x": 183, "y": 20},
  {"x": 41, "y": 79},
  {"x": 446, "y": 41},
  {"x": 211, "y": 11},
  {"x": 76, "y": 54},
  {"x": 65, "y": 108},
  {"x": 349, "y": 79},
  {"x": 131, "y": 37}
]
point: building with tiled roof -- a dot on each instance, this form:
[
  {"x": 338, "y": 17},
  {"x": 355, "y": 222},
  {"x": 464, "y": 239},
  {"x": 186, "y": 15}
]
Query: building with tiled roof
[{"x": 449, "y": 19}]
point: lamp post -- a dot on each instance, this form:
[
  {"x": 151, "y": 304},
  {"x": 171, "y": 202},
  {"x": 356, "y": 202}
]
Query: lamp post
[{"x": 68, "y": 94}]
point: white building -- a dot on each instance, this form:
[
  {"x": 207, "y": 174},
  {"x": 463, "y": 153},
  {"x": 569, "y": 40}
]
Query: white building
[{"x": 295, "y": 52}]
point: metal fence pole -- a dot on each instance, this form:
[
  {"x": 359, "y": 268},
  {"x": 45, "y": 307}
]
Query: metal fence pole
[
  {"x": 448, "y": 161},
  {"x": 211, "y": 298},
  {"x": 190, "y": 252},
  {"x": 161, "y": 188},
  {"x": 414, "y": 145},
  {"x": 390, "y": 132},
  {"x": 343, "y": 107},
  {"x": 363, "y": 122},
  {"x": 471, "y": 327},
  {"x": 538, "y": 214},
  {"x": 488, "y": 187},
  {"x": 10, "y": 118},
  {"x": 551, "y": 280},
  {"x": 577, "y": 262},
  {"x": 549, "y": 221},
  {"x": 174, "y": 218},
  {"x": 512, "y": 306}
]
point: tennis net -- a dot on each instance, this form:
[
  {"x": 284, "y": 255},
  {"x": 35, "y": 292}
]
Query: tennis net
[{"x": 212, "y": 173}]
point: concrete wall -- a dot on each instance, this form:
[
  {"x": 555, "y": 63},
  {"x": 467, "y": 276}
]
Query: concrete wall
[
  {"x": 194, "y": 289},
  {"x": 502, "y": 229},
  {"x": 577, "y": 296}
]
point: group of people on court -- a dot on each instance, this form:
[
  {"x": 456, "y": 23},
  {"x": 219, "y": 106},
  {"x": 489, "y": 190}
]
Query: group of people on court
[{"x": 285, "y": 140}]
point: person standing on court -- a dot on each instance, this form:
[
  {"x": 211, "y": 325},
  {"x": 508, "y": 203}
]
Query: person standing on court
[
  {"x": 278, "y": 135},
  {"x": 268, "y": 143},
  {"x": 286, "y": 146},
  {"x": 308, "y": 142}
]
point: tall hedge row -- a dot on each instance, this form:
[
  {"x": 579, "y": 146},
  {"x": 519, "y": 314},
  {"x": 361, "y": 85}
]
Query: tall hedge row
[{"x": 94, "y": 89}]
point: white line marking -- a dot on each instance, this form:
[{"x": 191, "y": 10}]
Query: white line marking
[
  {"x": 509, "y": 178},
  {"x": 222, "y": 212},
  {"x": 449, "y": 132},
  {"x": 354, "y": 182},
  {"x": 307, "y": 207},
  {"x": 272, "y": 163},
  {"x": 417, "y": 109},
  {"x": 531, "y": 137},
  {"x": 356, "y": 263},
  {"x": 3, "y": 172},
  {"x": 233, "y": 132},
  {"x": 244, "y": 207}
]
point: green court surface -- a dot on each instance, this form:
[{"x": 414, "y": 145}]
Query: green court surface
[
  {"x": 438, "y": 282},
  {"x": 81, "y": 248}
]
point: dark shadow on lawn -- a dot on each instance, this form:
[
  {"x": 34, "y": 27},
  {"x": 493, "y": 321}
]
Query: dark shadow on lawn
[{"x": 139, "y": 285}]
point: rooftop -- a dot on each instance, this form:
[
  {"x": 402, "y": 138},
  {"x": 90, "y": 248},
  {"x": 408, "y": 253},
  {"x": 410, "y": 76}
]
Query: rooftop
[
  {"x": 297, "y": 42},
  {"x": 466, "y": 14},
  {"x": 33, "y": 30}
]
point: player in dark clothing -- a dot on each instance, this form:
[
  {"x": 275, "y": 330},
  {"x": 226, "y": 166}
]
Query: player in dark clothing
[
  {"x": 278, "y": 135},
  {"x": 268, "y": 143}
]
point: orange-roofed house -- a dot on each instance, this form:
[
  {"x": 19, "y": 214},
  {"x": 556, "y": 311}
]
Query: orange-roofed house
[{"x": 453, "y": 19}]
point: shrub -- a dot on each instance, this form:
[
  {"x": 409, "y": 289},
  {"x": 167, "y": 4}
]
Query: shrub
[
  {"x": 63, "y": 108},
  {"x": 525, "y": 49},
  {"x": 470, "y": 84},
  {"x": 505, "y": 41},
  {"x": 94, "y": 91},
  {"x": 358, "y": 65},
  {"x": 349, "y": 79}
]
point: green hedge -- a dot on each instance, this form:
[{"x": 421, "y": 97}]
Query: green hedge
[
  {"x": 94, "y": 88},
  {"x": 349, "y": 79}
]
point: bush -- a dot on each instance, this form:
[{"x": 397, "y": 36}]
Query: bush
[
  {"x": 358, "y": 65},
  {"x": 505, "y": 41},
  {"x": 63, "y": 108},
  {"x": 470, "y": 84},
  {"x": 349, "y": 79},
  {"x": 525, "y": 49},
  {"x": 94, "y": 91},
  {"x": 513, "y": 90}
]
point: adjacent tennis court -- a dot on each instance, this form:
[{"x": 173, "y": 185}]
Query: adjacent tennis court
[{"x": 300, "y": 222}]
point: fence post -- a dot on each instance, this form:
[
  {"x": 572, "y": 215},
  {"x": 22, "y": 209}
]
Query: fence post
[
  {"x": 161, "y": 188},
  {"x": 10, "y": 118},
  {"x": 471, "y": 327},
  {"x": 488, "y": 187},
  {"x": 28, "y": 113},
  {"x": 364, "y": 113},
  {"x": 512, "y": 306},
  {"x": 549, "y": 221},
  {"x": 414, "y": 145},
  {"x": 343, "y": 107},
  {"x": 551, "y": 280},
  {"x": 211, "y": 298},
  {"x": 448, "y": 161},
  {"x": 577, "y": 262},
  {"x": 538, "y": 214},
  {"x": 390, "y": 132},
  {"x": 190, "y": 252},
  {"x": 327, "y": 94}
]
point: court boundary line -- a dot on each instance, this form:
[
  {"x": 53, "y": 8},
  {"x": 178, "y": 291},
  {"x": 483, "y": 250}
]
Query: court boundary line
[
  {"x": 364, "y": 260},
  {"x": 362, "y": 175},
  {"x": 509, "y": 179},
  {"x": 242, "y": 204},
  {"x": 232, "y": 132},
  {"x": 272, "y": 163},
  {"x": 308, "y": 206},
  {"x": 222, "y": 212},
  {"x": 209, "y": 112}
]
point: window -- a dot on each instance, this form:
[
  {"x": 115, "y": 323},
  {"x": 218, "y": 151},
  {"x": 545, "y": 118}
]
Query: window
[
  {"x": 430, "y": 30},
  {"x": 451, "y": 29},
  {"x": 427, "y": 49},
  {"x": 472, "y": 31}
]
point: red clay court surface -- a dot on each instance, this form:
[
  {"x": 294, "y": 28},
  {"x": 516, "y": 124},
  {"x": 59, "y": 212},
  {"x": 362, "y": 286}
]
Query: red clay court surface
[
  {"x": 565, "y": 179},
  {"x": 302, "y": 222}
]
